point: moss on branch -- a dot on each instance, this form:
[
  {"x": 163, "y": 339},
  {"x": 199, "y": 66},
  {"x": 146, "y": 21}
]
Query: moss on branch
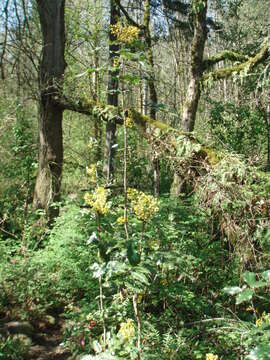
[
  {"x": 253, "y": 61},
  {"x": 108, "y": 113},
  {"x": 225, "y": 55}
]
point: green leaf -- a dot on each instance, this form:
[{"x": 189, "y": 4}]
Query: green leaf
[
  {"x": 261, "y": 352},
  {"x": 98, "y": 270},
  {"x": 133, "y": 257},
  {"x": 97, "y": 347},
  {"x": 132, "y": 79},
  {"x": 245, "y": 295},
  {"x": 259, "y": 284},
  {"x": 249, "y": 278},
  {"x": 141, "y": 278},
  {"x": 233, "y": 290},
  {"x": 266, "y": 275},
  {"x": 140, "y": 274}
]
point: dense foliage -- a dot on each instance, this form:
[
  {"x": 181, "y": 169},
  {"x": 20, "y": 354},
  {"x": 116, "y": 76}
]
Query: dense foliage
[{"x": 168, "y": 255}]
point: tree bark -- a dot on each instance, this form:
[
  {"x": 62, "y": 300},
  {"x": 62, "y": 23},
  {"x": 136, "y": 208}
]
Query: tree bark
[
  {"x": 196, "y": 66},
  {"x": 268, "y": 134},
  {"x": 112, "y": 99},
  {"x": 51, "y": 72},
  {"x": 152, "y": 89},
  {"x": 194, "y": 87},
  {"x": 96, "y": 85},
  {"x": 4, "y": 44}
]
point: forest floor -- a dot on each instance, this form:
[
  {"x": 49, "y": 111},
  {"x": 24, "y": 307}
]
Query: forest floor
[{"x": 45, "y": 337}]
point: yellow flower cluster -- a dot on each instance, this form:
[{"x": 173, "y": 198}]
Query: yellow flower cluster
[
  {"x": 144, "y": 206},
  {"x": 120, "y": 220},
  {"x": 129, "y": 123},
  {"x": 132, "y": 194},
  {"x": 98, "y": 200},
  {"x": 140, "y": 297},
  {"x": 154, "y": 244},
  {"x": 127, "y": 329},
  {"x": 265, "y": 318},
  {"x": 164, "y": 282},
  {"x": 116, "y": 61},
  {"x": 90, "y": 144},
  {"x": 125, "y": 34},
  {"x": 92, "y": 172},
  {"x": 211, "y": 357}
]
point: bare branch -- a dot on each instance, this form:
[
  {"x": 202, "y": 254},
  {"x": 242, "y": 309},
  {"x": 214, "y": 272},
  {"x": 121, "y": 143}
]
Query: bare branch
[{"x": 129, "y": 19}]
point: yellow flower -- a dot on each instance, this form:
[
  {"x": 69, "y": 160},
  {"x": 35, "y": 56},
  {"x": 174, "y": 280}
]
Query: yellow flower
[
  {"x": 129, "y": 123},
  {"x": 211, "y": 357},
  {"x": 265, "y": 318},
  {"x": 125, "y": 34},
  {"x": 116, "y": 62},
  {"x": 145, "y": 206},
  {"x": 127, "y": 329},
  {"x": 98, "y": 200},
  {"x": 132, "y": 194},
  {"x": 92, "y": 172},
  {"x": 153, "y": 244},
  {"x": 90, "y": 144},
  {"x": 164, "y": 282},
  {"x": 120, "y": 220}
]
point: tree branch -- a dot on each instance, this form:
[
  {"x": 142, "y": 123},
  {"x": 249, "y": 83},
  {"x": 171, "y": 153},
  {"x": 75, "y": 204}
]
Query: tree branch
[
  {"x": 253, "y": 61},
  {"x": 90, "y": 108},
  {"x": 129, "y": 19},
  {"x": 225, "y": 55}
]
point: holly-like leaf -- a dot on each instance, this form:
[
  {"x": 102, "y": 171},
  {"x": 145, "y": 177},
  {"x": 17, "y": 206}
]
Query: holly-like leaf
[
  {"x": 249, "y": 278},
  {"x": 261, "y": 352},
  {"x": 266, "y": 275},
  {"x": 233, "y": 290},
  {"x": 245, "y": 295}
]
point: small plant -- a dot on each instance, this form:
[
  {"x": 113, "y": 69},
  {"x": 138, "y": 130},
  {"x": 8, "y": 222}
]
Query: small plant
[
  {"x": 258, "y": 336},
  {"x": 13, "y": 348}
]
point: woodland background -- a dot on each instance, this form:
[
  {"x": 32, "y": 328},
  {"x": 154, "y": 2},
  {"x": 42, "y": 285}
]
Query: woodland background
[{"x": 134, "y": 189}]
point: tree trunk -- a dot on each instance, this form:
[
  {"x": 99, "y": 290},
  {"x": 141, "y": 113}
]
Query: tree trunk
[
  {"x": 4, "y": 43},
  {"x": 96, "y": 85},
  {"x": 112, "y": 99},
  {"x": 268, "y": 134},
  {"x": 194, "y": 87},
  {"x": 196, "y": 66},
  {"x": 152, "y": 89},
  {"x": 52, "y": 67}
]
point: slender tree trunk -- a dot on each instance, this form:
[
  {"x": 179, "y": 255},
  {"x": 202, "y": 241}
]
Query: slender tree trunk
[
  {"x": 196, "y": 66},
  {"x": 152, "y": 89},
  {"x": 113, "y": 88},
  {"x": 96, "y": 85},
  {"x": 144, "y": 97},
  {"x": 268, "y": 133},
  {"x": 52, "y": 67},
  {"x": 4, "y": 44},
  {"x": 194, "y": 87}
]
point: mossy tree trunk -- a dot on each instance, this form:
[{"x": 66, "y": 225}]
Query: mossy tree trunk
[
  {"x": 52, "y": 67},
  {"x": 196, "y": 66},
  {"x": 96, "y": 84},
  {"x": 112, "y": 98},
  {"x": 152, "y": 89},
  {"x": 194, "y": 86},
  {"x": 268, "y": 133}
]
